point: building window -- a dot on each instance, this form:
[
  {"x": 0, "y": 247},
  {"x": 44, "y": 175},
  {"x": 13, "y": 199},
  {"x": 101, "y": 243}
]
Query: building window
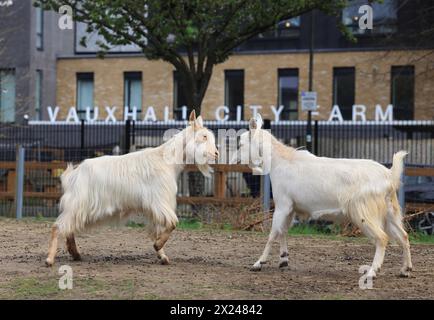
[
  {"x": 234, "y": 92},
  {"x": 7, "y": 95},
  {"x": 385, "y": 16},
  {"x": 84, "y": 93},
  {"x": 288, "y": 93},
  {"x": 289, "y": 28},
  {"x": 38, "y": 95},
  {"x": 39, "y": 28},
  {"x": 402, "y": 92},
  {"x": 179, "y": 97},
  {"x": 344, "y": 84},
  {"x": 133, "y": 91}
]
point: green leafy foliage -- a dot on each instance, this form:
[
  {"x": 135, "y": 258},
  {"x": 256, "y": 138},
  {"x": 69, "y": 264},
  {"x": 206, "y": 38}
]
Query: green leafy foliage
[{"x": 192, "y": 35}]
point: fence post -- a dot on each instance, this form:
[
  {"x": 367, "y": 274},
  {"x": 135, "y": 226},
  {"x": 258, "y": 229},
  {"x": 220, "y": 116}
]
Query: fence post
[
  {"x": 133, "y": 134},
  {"x": 266, "y": 189},
  {"x": 82, "y": 139},
  {"x": 315, "y": 138},
  {"x": 19, "y": 185},
  {"x": 219, "y": 183},
  {"x": 401, "y": 193},
  {"x": 266, "y": 183},
  {"x": 127, "y": 142}
]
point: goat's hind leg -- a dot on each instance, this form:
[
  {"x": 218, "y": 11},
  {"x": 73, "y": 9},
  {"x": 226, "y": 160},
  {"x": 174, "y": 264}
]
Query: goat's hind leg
[
  {"x": 159, "y": 244},
  {"x": 400, "y": 235},
  {"x": 374, "y": 231},
  {"x": 72, "y": 248},
  {"x": 396, "y": 231}
]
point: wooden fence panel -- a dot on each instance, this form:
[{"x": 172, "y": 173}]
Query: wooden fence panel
[{"x": 220, "y": 185}]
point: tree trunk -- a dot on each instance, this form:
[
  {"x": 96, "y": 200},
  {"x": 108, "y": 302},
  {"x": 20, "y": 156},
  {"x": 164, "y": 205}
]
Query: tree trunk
[
  {"x": 196, "y": 80},
  {"x": 196, "y": 86},
  {"x": 196, "y": 181}
]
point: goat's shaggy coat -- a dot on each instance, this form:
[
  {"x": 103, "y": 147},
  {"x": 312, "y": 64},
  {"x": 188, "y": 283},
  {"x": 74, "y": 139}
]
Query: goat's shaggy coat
[
  {"x": 111, "y": 188},
  {"x": 362, "y": 191}
]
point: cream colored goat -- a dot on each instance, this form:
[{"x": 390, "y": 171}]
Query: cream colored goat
[
  {"x": 362, "y": 191},
  {"x": 111, "y": 188}
]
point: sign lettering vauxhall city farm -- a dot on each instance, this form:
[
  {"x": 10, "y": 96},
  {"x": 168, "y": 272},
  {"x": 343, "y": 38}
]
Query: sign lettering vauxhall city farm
[{"x": 221, "y": 114}]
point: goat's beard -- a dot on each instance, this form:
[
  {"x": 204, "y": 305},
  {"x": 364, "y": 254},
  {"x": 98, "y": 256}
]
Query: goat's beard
[
  {"x": 256, "y": 170},
  {"x": 205, "y": 169},
  {"x": 257, "y": 167}
]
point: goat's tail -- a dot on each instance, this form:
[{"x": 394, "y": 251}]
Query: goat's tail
[
  {"x": 68, "y": 179},
  {"x": 65, "y": 178},
  {"x": 397, "y": 168}
]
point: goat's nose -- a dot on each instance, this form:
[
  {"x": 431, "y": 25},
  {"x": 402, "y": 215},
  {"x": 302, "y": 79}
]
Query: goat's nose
[{"x": 216, "y": 153}]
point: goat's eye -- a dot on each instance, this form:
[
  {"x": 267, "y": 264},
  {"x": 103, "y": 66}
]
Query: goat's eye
[{"x": 205, "y": 137}]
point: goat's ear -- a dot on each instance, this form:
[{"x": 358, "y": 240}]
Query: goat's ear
[
  {"x": 193, "y": 116},
  {"x": 252, "y": 124},
  {"x": 199, "y": 122},
  {"x": 259, "y": 121}
]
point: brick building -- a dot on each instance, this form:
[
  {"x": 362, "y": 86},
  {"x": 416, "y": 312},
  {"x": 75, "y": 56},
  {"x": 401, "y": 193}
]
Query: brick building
[
  {"x": 386, "y": 66},
  {"x": 260, "y": 79},
  {"x": 30, "y": 43}
]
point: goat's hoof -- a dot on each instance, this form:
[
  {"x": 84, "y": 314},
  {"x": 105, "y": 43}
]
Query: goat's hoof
[
  {"x": 405, "y": 272},
  {"x": 371, "y": 274},
  {"x": 49, "y": 263},
  {"x": 283, "y": 264},
  {"x": 157, "y": 248},
  {"x": 164, "y": 260},
  {"x": 256, "y": 267},
  {"x": 76, "y": 258}
]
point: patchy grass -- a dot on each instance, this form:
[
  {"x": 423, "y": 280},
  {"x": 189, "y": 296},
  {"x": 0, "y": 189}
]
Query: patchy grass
[
  {"x": 331, "y": 232},
  {"x": 323, "y": 231},
  {"x": 28, "y": 288},
  {"x": 184, "y": 224},
  {"x": 40, "y": 288},
  {"x": 306, "y": 229},
  {"x": 36, "y": 219},
  {"x": 190, "y": 224},
  {"x": 421, "y": 238},
  {"x": 133, "y": 224}
]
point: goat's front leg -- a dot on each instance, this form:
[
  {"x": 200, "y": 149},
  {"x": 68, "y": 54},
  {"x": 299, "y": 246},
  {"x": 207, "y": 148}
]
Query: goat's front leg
[
  {"x": 278, "y": 227},
  {"x": 159, "y": 244},
  {"x": 263, "y": 258},
  {"x": 52, "y": 248}
]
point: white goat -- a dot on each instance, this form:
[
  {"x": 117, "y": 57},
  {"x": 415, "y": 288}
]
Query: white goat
[
  {"x": 362, "y": 191},
  {"x": 111, "y": 188}
]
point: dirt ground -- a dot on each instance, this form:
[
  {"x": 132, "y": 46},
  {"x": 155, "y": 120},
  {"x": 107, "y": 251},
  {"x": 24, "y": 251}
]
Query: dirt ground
[{"x": 119, "y": 263}]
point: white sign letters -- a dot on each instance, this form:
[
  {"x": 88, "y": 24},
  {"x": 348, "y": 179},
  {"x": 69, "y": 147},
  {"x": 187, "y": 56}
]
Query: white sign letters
[{"x": 221, "y": 114}]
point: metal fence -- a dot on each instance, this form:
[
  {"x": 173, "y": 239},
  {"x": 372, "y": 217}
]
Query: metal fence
[
  {"x": 75, "y": 142},
  {"x": 67, "y": 142}
]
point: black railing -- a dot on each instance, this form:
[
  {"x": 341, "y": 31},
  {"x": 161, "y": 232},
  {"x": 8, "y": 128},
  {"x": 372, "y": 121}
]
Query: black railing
[{"x": 75, "y": 142}]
